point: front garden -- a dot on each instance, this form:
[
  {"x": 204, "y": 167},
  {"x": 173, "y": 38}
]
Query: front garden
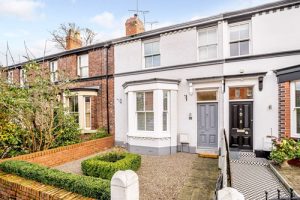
[
  {"x": 98, "y": 170},
  {"x": 33, "y": 116}
]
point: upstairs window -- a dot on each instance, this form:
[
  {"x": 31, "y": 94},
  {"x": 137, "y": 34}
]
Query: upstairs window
[
  {"x": 239, "y": 39},
  {"x": 10, "y": 77},
  {"x": 208, "y": 43},
  {"x": 152, "y": 54},
  {"x": 83, "y": 66},
  {"x": 144, "y": 109},
  {"x": 23, "y": 77},
  {"x": 53, "y": 71}
]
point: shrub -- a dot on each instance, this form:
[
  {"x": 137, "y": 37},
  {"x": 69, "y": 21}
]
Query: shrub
[
  {"x": 285, "y": 149},
  {"x": 106, "y": 165},
  {"x": 84, "y": 185},
  {"x": 101, "y": 133}
]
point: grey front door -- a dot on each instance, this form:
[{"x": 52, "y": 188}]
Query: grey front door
[{"x": 207, "y": 128}]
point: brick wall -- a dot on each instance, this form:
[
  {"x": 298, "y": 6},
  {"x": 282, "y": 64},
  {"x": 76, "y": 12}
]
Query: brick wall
[
  {"x": 15, "y": 187},
  {"x": 284, "y": 109},
  {"x": 60, "y": 155}
]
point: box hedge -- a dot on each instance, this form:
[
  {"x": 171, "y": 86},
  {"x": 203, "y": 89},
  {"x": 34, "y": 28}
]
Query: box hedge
[
  {"x": 106, "y": 165},
  {"x": 84, "y": 185}
]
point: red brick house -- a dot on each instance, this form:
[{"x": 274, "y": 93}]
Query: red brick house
[{"x": 91, "y": 68}]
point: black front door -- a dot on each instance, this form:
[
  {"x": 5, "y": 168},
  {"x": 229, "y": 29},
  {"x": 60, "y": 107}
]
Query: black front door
[{"x": 241, "y": 125}]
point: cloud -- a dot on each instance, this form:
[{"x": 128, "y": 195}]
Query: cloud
[
  {"x": 16, "y": 33},
  {"x": 22, "y": 9},
  {"x": 105, "y": 19}
]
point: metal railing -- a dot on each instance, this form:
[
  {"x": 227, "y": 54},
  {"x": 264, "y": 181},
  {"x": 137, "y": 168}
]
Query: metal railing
[
  {"x": 291, "y": 197},
  {"x": 224, "y": 179}
]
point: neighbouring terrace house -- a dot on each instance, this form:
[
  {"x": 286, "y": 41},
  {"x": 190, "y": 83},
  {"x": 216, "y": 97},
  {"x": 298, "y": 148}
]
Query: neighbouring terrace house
[
  {"x": 91, "y": 70},
  {"x": 194, "y": 79}
]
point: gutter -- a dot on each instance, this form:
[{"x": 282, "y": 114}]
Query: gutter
[{"x": 107, "y": 46}]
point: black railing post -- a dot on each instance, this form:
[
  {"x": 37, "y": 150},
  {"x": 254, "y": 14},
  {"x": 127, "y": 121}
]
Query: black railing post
[
  {"x": 278, "y": 193},
  {"x": 266, "y": 193},
  {"x": 227, "y": 161}
]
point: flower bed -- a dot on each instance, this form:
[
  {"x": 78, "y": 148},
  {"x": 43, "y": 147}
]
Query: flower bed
[
  {"x": 86, "y": 186},
  {"x": 285, "y": 150},
  {"x": 106, "y": 165}
]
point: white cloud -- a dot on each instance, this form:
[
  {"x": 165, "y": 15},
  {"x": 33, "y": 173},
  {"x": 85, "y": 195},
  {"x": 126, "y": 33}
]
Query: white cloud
[
  {"x": 105, "y": 19},
  {"x": 22, "y": 9}
]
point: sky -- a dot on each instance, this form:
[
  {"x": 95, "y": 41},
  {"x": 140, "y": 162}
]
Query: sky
[{"x": 30, "y": 21}]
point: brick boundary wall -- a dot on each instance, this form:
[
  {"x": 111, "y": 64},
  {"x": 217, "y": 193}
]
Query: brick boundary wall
[
  {"x": 15, "y": 187},
  {"x": 60, "y": 155},
  {"x": 284, "y": 109}
]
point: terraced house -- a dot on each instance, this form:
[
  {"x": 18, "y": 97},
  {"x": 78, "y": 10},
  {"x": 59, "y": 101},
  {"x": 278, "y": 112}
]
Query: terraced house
[
  {"x": 185, "y": 83},
  {"x": 91, "y": 71},
  {"x": 179, "y": 86}
]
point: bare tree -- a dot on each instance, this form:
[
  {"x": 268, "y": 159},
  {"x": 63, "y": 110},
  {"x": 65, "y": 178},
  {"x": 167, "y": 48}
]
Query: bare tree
[{"x": 59, "y": 35}]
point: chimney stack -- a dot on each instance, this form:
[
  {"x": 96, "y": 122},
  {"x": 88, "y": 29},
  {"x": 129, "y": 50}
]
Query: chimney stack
[
  {"x": 134, "y": 26},
  {"x": 73, "y": 40}
]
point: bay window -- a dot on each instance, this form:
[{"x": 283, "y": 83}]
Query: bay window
[
  {"x": 87, "y": 112},
  {"x": 73, "y": 107},
  {"x": 165, "y": 110},
  {"x": 207, "y": 43},
  {"x": 145, "y": 113},
  {"x": 239, "y": 39}
]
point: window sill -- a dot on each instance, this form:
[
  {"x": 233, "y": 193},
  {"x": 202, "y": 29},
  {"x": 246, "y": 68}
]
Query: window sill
[{"x": 149, "y": 134}]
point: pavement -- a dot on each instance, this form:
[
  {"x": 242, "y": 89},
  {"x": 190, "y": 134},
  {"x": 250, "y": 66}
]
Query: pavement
[{"x": 201, "y": 181}]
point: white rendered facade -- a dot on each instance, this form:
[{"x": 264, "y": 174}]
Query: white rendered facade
[{"x": 274, "y": 43}]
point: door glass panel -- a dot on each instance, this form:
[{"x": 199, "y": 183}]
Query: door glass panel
[
  {"x": 240, "y": 93},
  {"x": 207, "y": 96}
]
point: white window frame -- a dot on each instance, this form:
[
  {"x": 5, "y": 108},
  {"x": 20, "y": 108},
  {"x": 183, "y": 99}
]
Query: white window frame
[
  {"x": 23, "y": 77},
  {"x": 207, "y": 45},
  {"x": 145, "y": 111},
  {"x": 54, "y": 73},
  {"x": 10, "y": 77},
  {"x": 239, "y": 40},
  {"x": 166, "y": 111},
  {"x": 85, "y": 125},
  {"x": 293, "y": 110},
  {"x": 144, "y": 56},
  {"x": 80, "y": 66}
]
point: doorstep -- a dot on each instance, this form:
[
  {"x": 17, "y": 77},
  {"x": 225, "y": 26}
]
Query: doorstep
[{"x": 208, "y": 152}]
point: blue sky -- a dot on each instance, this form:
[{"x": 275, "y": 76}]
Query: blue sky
[{"x": 31, "y": 20}]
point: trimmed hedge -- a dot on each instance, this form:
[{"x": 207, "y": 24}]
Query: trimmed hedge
[
  {"x": 86, "y": 186},
  {"x": 106, "y": 165}
]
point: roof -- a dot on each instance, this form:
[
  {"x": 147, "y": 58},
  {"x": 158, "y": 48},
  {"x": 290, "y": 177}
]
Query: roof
[
  {"x": 239, "y": 14},
  {"x": 288, "y": 74}
]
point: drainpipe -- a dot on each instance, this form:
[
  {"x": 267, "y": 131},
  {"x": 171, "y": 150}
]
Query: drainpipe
[{"x": 107, "y": 46}]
